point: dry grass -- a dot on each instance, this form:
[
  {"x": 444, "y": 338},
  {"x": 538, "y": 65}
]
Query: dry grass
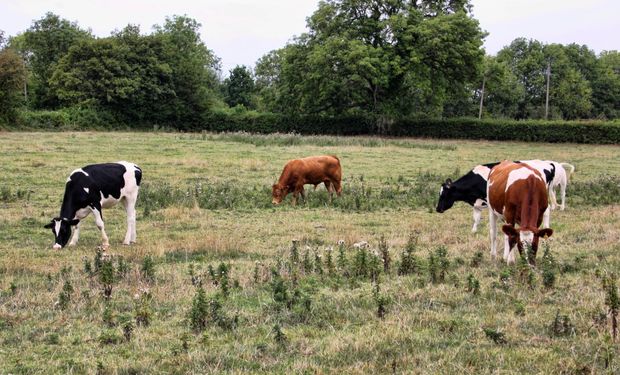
[{"x": 429, "y": 328}]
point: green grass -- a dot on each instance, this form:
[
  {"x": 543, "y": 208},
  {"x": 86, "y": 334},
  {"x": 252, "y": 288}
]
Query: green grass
[{"x": 206, "y": 201}]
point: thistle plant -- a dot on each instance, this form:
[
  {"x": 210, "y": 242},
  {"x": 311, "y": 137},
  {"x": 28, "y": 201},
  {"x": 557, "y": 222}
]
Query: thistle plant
[
  {"x": 65, "y": 295},
  {"x": 147, "y": 269},
  {"x": 385, "y": 254}
]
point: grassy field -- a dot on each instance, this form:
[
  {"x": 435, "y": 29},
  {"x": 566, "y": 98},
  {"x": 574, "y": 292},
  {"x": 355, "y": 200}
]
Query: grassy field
[{"x": 276, "y": 299}]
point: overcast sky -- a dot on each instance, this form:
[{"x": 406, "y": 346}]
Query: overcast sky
[{"x": 241, "y": 31}]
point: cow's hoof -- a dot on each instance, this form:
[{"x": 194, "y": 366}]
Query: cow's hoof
[{"x": 126, "y": 243}]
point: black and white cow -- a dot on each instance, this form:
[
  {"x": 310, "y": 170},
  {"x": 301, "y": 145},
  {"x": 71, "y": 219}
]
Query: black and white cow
[
  {"x": 91, "y": 188},
  {"x": 559, "y": 177},
  {"x": 471, "y": 188}
]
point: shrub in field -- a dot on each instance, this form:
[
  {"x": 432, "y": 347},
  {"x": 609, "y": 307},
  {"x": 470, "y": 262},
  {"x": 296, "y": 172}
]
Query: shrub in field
[
  {"x": 127, "y": 325},
  {"x": 108, "y": 316},
  {"x": 549, "y": 267},
  {"x": 199, "y": 312},
  {"x": 279, "y": 336},
  {"x": 496, "y": 336},
  {"x": 65, "y": 295},
  {"x": 477, "y": 259},
  {"x": 122, "y": 267},
  {"x": 612, "y": 300},
  {"x": 473, "y": 285},
  {"x": 106, "y": 277},
  {"x": 143, "y": 311},
  {"x": 147, "y": 269},
  {"x": 329, "y": 261},
  {"x": 561, "y": 326},
  {"x": 409, "y": 263},
  {"x": 110, "y": 337},
  {"x": 438, "y": 264},
  {"x": 385, "y": 254}
]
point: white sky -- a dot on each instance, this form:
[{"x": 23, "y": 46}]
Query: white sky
[{"x": 241, "y": 31}]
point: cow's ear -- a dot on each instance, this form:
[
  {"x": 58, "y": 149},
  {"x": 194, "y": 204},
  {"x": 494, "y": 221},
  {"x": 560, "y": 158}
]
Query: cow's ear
[
  {"x": 448, "y": 182},
  {"x": 49, "y": 225},
  {"x": 544, "y": 233},
  {"x": 509, "y": 230},
  {"x": 73, "y": 222}
]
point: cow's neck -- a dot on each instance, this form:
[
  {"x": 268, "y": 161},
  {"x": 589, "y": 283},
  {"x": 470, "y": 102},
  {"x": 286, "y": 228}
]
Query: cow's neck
[
  {"x": 530, "y": 208},
  {"x": 69, "y": 206}
]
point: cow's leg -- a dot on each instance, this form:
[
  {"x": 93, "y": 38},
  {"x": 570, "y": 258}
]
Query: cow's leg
[
  {"x": 100, "y": 225},
  {"x": 547, "y": 217},
  {"x": 552, "y": 198},
  {"x": 130, "y": 208},
  {"x": 509, "y": 255},
  {"x": 76, "y": 235},
  {"x": 330, "y": 190},
  {"x": 303, "y": 195},
  {"x": 563, "y": 193},
  {"x": 493, "y": 232},
  {"x": 478, "y": 206}
]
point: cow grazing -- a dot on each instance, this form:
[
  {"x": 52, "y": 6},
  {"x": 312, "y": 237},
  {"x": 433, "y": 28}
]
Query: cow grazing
[
  {"x": 311, "y": 170},
  {"x": 91, "y": 188},
  {"x": 471, "y": 188},
  {"x": 517, "y": 193}
]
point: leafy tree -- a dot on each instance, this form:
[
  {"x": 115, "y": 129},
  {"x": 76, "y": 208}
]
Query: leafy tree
[
  {"x": 606, "y": 85},
  {"x": 570, "y": 92},
  {"x": 502, "y": 91},
  {"x": 194, "y": 70},
  {"x": 381, "y": 56},
  {"x": 240, "y": 87},
  {"x": 12, "y": 76},
  {"x": 44, "y": 44},
  {"x": 122, "y": 73}
]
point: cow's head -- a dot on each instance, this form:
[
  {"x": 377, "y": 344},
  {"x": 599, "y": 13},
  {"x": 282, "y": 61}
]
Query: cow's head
[
  {"x": 525, "y": 238},
  {"x": 62, "y": 230},
  {"x": 278, "y": 193},
  {"x": 446, "y": 196}
]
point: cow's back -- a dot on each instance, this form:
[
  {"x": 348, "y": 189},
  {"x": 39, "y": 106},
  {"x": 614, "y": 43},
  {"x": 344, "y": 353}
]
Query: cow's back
[{"x": 312, "y": 170}]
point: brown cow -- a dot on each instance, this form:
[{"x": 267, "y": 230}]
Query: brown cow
[
  {"x": 311, "y": 170},
  {"x": 517, "y": 193}
]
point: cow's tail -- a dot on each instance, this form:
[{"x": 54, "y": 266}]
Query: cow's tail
[{"x": 569, "y": 168}]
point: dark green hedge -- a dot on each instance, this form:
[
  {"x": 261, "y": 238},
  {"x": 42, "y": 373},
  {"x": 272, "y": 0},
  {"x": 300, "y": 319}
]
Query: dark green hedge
[
  {"x": 460, "y": 128},
  {"x": 598, "y": 132}
]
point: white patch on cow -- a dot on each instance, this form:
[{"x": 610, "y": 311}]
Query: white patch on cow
[
  {"x": 520, "y": 174},
  {"x": 527, "y": 238},
  {"x": 440, "y": 191},
  {"x": 482, "y": 171},
  {"x": 82, "y": 213},
  {"x": 109, "y": 201},
  {"x": 86, "y": 190},
  {"x": 56, "y": 227}
]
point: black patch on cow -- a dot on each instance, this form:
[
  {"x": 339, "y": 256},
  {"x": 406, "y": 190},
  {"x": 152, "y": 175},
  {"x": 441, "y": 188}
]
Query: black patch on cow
[
  {"x": 138, "y": 175},
  {"x": 468, "y": 188}
]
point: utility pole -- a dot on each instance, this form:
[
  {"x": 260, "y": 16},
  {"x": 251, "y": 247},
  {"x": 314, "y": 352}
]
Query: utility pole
[
  {"x": 547, "y": 100},
  {"x": 484, "y": 78},
  {"x": 25, "y": 79}
]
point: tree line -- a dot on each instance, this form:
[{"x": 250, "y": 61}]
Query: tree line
[{"x": 391, "y": 58}]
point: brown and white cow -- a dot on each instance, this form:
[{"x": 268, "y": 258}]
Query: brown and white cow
[
  {"x": 517, "y": 193},
  {"x": 311, "y": 170}
]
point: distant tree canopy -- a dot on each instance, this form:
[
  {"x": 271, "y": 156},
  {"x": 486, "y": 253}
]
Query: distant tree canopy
[
  {"x": 379, "y": 56},
  {"x": 387, "y": 58},
  {"x": 240, "y": 87},
  {"x": 12, "y": 78}
]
